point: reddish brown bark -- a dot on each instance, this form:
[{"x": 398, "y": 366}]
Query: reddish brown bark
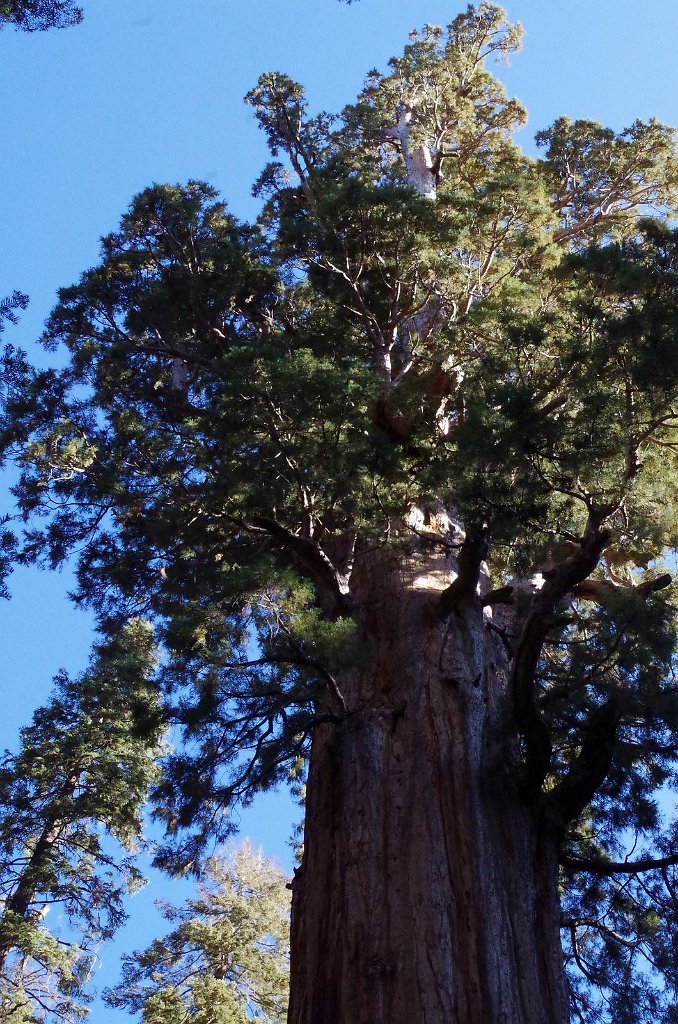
[{"x": 428, "y": 889}]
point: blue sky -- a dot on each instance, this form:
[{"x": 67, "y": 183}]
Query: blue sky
[{"x": 151, "y": 91}]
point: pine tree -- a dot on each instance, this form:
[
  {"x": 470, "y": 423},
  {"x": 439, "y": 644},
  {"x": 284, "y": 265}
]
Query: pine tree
[
  {"x": 414, "y": 433},
  {"x": 71, "y": 801},
  {"x": 39, "y": 15},
  {"x": 227, "y": 959}
]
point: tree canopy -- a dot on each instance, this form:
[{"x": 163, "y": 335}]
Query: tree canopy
[
  {"x": 70, "y": 820},
  {"x": 226, "y": 961},
  {"x": 430, "y": 341},
  {"x": 39, "y": 15}
]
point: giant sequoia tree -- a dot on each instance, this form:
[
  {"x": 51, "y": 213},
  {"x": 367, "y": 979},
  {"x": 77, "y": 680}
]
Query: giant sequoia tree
[{"x": 393, "y": 472}]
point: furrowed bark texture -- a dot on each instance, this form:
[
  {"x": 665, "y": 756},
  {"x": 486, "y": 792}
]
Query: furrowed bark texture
[{"x": 428, "y": 890}]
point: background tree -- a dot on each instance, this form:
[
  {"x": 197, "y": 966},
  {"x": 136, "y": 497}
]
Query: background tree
[
  {"x": 39, "y": 15},
  {"x": 227, "y": 959},
  {"x": 9, "y": 306},
  {"x": 414, "y": 433},
  {"x": 71, "y": 796},
  {"x": 8, "y": 314}
]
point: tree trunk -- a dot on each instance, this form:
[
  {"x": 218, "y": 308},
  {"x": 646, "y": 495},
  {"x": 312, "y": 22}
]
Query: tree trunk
[
  {"x": 19, "y": 903},
  {"x": 428, "y": 890}
]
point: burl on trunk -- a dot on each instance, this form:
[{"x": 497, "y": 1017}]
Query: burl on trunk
[{"x": 428, "y": 889}]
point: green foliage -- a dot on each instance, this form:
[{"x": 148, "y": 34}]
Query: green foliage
[
  {"x": 455, "y": 102},
  {"x": 71, "y": 796},
  {"x": 618, "y": 927},
  {"x": 39, "y": 15},
  {"x": 227, "y": 959},
  {"x": 599, "y": 179}
]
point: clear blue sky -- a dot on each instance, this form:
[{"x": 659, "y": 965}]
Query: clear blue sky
[{"x": 151, "y": 91}]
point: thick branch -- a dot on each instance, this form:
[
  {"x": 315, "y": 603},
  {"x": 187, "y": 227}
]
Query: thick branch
[
  {"x": 420, "y": 163},
  {"x": 559, "y": 581},
  {"x": 502, "y": 595},
  {"x": 469, "y": 562},
  {"x": 590, "y": 768},
  {"x": 596, "y": 590},
  {"x": 600, "y": 866}
]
